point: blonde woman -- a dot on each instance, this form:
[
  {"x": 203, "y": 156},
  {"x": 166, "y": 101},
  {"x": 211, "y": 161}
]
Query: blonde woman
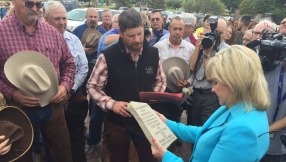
[{"x": 235, "y": 131}]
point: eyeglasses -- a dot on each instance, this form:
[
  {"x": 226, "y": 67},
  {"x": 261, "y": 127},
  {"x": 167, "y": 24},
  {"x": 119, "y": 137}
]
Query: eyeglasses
[
  {"x": 157, "y": 19},
  {"x": 30, "y": 4},
  {"x": 189, "y": 26},
  {"x": 283, "y": 23}
]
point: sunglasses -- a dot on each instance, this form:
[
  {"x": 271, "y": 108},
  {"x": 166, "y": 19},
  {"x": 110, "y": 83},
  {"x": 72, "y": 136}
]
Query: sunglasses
[
  {"x": 283, "y": 23},
  {"x": 30, "y": 4},
  {"x": 157, "y": 19}
]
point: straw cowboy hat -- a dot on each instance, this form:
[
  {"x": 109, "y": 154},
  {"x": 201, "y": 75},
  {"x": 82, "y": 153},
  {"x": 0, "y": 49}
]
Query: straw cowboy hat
[
  {"x": 15, "y": 125},
  {"x": 34, "y": 74},
  {"x": 90, "y": 38},
  {"x": 175, "y": 69}
]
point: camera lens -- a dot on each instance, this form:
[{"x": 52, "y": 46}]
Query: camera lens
[{"x": 207, "y": 42}]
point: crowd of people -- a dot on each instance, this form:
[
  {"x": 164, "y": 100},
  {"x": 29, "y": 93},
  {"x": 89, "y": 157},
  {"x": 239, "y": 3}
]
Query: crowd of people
[{"x": 55, "y": 78}]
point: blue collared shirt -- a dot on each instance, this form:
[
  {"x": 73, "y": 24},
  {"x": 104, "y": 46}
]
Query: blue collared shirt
[
  {"x": 168, "y": 35},
  {"x": 101, "y": 45},
  {"x": 78, "y": 54},
  {"x": 154, "y": 38}
]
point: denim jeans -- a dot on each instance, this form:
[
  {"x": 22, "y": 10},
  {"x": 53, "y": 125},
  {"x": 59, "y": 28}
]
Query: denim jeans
[
  {"x": 273, "y": 158},
  {"x": 95, "y": 124},
  {"x": 51, "y": 122}
]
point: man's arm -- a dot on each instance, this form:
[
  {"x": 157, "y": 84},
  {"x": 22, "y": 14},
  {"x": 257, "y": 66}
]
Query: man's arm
[
  {"x": 110, "y": 39},
  {"x": 194, "y": 57},
  {"x": 81, "y": 65},
  {"x": 96, "y": 84},
  {"x": 67, "y": 66}
]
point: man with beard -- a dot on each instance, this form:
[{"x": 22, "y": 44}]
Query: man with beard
[
  {"x": 175, "y": 46},
  {"x": 243, "y": 25},
  {"x": 23, "y": 31},
  {"x": 121, "y": 72},
  {"x": 157, "y": 27}
]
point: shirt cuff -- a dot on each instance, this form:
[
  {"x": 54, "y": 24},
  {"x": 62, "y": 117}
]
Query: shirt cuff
[{"x": 110, "y": 103}]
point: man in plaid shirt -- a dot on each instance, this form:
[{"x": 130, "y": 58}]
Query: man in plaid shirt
[{"x": 22, "y": 31}]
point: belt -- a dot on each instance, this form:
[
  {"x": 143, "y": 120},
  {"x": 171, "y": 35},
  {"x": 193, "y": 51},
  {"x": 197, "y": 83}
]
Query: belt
[{"x": 203, "y": 91}]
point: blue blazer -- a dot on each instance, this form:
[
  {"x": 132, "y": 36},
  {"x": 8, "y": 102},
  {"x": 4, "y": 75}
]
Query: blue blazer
[{"x": 229, "y": 135}]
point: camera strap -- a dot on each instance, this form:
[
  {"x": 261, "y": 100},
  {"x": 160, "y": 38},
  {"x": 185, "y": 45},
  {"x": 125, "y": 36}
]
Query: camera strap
[
  {"x": 280, "y": 98},
  {"x": 198, "y": 64}
]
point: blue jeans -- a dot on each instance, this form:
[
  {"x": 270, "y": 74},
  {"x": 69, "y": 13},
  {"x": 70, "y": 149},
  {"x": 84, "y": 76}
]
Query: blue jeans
[
  {"x": 273, "y": 158},
  {"x": 95, "y": 124}
]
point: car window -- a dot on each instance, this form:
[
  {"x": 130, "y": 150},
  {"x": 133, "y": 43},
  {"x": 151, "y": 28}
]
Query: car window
[{"x": 76, "y": 15}]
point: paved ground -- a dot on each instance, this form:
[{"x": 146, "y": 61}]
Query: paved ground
[{"x": 183, "y": 151}]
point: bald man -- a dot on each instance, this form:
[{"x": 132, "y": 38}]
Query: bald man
[
  {"x": 263, "y": 24},
  {"x": 202, "y": 110},
  {"x": 248, "y": 37}
]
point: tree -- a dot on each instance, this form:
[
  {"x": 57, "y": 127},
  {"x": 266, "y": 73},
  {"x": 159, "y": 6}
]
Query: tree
[
  {"x": 123, "y": 3},
  {"x": 245, "y": 7},
  {"x": 177, "y": 4},
  {"x": 263, "y": 6},
  {"x": 158, "y": 4},
  {"x": 169, "y": 3},
  {"x": 231, "y": 5}
]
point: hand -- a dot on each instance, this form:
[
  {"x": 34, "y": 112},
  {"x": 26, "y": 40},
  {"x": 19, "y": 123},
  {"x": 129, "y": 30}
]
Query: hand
[
  {"x": 60, "y": 96},
  {"x": 200, "y": 38},
  {"x": 161, "y": 116},
  {"x": 121, "y": 108},
  {"x": 22, "y": 99},
  {"x": 66, "y": 101},
  {"x": 159, "y": 152},
  {"x": 209, "y": 51},
  {"x": 182, "y": 83},
  {"x": 4, "y": 148},
  {"x": 88, "y": 50}
]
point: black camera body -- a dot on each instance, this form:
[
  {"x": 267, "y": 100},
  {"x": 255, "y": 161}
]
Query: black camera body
[
  {"x": 212, "y": 36},
  {"x": 272, "y": 49}
]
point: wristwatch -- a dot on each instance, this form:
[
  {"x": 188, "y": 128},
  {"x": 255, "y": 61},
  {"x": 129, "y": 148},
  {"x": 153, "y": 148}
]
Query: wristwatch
[{"x": 72, "y": 91}]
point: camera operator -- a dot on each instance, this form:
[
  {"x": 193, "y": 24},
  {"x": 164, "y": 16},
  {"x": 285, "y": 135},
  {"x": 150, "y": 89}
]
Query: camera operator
[
  {"x": 270, "y": 52},
  {"x": 205, "y": 102}
]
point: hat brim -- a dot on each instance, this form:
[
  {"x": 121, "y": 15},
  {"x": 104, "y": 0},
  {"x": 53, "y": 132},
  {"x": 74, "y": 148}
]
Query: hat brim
[
  {"x": 169, "y": 109},
  {"x": 86, "y": 33},
  {"x": 20, "y": 147},
  {"x": 15, "y": 64},
  {"x": 180, "y": 63}
]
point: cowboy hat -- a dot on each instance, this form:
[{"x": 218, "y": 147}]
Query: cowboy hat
[
  {"x": 34, "y": 74},
  {"x": 90, "y": 38},
  {"x": 15, "y": 125},
  {"x": 175, "y": 69}
]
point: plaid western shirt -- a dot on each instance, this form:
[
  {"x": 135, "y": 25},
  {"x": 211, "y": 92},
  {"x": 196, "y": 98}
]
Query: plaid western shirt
[
  {"x": 98, "y": 80},
  {"x": 45, "y": 39}
]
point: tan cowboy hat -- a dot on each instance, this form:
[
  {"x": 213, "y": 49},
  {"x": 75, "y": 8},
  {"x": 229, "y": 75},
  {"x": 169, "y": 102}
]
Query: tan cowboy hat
[
  {"x": 90, "y": 38},
  {"x": 175, "y": 69},
  {"x": 16, "y": 126},
  {"x": 34, "y": 74}
]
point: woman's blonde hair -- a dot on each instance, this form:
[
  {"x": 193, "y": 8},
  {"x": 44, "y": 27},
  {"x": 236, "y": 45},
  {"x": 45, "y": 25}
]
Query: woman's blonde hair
[
  {"x": 240, "y": 69},
  {"x": 145, "y": 19}
]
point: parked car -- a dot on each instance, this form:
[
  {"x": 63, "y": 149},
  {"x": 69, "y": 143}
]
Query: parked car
[
  {"x": 76, "y": 17},
  {"x": 68, "y": 5},
  {"x": 123, "y": 8}
]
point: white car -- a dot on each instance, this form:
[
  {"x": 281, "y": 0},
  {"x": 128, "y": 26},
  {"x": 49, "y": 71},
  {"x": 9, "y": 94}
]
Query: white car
[{"x": 76, "y": 17}]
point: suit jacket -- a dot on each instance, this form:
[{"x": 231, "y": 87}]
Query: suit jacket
[{"x": 229, "y": 135}]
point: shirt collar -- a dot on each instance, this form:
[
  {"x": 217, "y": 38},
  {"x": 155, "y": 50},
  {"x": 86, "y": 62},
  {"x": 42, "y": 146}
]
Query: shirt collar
[
  {"x": 238, "y": 109},
  {"x": 127, "y": 51},
  {"x": 182, "y": 44},
  {"x": 67, "y": 35}
]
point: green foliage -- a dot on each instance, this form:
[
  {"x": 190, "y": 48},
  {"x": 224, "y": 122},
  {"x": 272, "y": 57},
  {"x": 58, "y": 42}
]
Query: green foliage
[
  {"x": 263, "y": 6},
  {"x": 158, "y": 4},
  {"x": 177, "y": 4},
  {"x": 123, "y": 3},
  {"x": 231, "y": 5},
  {"x": 245, "y": 7},
  {"x": 204, "y": 6}
]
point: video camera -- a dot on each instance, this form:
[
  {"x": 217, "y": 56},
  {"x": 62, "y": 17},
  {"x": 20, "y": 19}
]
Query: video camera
[
  {"x": 272, "y": 49},
  {"x": 212, "y": 36},
  {"x": 146, "y": 30}
]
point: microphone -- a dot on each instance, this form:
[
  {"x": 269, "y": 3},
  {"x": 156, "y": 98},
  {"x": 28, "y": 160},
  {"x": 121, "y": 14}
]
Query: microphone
[{"x": 253, "y": 43}]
